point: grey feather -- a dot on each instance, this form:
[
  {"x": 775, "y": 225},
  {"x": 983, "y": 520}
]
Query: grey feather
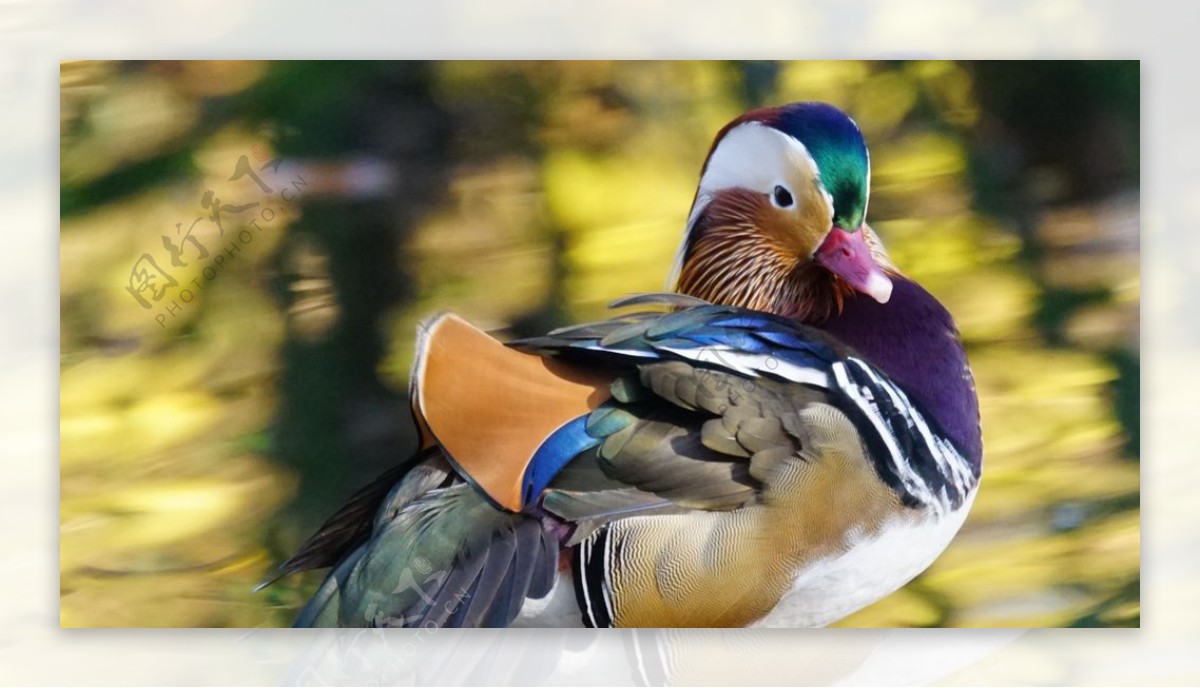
[
  {"x": 628, "y": 389},
  {"x": 757, "y": 434},
  {"x": 718, "y": 438},
  {"x": 322, "y": 609},
  {"x": 579, "y": 506},
  {"x": 590, "y": 511},
  {"x": 669, "y": 299},
  {"x": 763, "y": 463},
  {"x": 423, "y": 477}
]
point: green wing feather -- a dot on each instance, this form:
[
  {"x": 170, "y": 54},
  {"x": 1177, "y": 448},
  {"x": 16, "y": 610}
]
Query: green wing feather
[{"x": 447, "y": 558}]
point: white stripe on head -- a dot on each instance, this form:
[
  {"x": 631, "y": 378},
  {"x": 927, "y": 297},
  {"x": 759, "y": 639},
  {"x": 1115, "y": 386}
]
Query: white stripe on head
[{"x": 755, "y": 156}]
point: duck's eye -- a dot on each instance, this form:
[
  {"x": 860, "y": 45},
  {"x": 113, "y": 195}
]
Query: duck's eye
[{"x": 782, "y": 197}]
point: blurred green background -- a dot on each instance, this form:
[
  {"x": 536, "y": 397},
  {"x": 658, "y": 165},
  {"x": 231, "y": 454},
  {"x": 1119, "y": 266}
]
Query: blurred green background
[{"x": 204, "y": 435}]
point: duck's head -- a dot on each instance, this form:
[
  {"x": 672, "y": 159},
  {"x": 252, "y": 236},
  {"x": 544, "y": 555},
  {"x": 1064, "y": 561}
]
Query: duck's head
[{"x": 779, "y": 219}]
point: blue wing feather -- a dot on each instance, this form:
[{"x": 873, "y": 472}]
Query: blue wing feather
[
  {"x": 909, "y": 455},
  {"x": 565, "y": 443}
]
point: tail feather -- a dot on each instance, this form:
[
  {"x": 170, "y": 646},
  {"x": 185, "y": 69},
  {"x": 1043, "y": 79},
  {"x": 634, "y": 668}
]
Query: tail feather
[
  {"x": 448, "y": 559},
  {"x": 322, "y": 610},
  {"x": 349, "y": 526}
]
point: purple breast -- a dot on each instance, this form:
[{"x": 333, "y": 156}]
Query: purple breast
[{"x": 913, "y": 339}]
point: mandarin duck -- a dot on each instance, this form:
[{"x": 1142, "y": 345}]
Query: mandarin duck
[{"x": 789, "y": 436}]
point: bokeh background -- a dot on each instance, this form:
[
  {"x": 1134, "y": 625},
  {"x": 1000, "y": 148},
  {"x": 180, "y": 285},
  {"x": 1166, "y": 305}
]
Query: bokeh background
[{"x": 198, "y": 450}]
